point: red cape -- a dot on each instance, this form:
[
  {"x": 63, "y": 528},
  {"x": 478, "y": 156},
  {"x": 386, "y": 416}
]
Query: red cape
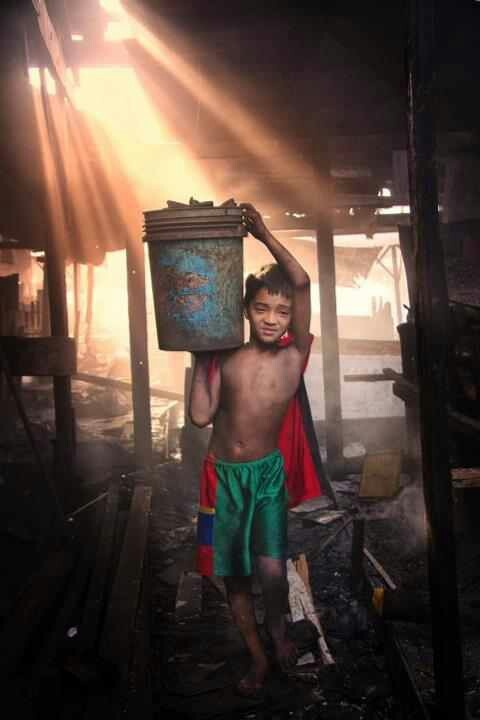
[{"x": 298, "y": 443}]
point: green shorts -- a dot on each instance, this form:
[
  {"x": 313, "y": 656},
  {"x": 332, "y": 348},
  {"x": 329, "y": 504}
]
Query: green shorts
[{"x": 243, "y": 513}]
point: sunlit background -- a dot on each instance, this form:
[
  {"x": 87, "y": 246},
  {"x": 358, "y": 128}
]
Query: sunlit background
[{"x": 125, "y": 123}]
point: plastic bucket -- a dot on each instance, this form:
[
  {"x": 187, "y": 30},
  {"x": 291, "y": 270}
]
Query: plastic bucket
[{"x": 196, "y": 262}]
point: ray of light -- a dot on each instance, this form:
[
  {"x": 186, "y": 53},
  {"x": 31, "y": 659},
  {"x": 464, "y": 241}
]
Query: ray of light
[
  {"x": 147, "y": 148},
  {"x": 52, "y": 194},
  {"x": 250, "y": 131}
]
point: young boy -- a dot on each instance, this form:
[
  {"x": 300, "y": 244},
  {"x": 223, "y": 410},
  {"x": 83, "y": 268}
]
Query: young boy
[{"x": 243, "y": 499}]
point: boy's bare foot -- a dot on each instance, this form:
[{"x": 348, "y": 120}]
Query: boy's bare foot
[
  {"x": 252, "y": 684},
  {"x": 286, "y": 653}
]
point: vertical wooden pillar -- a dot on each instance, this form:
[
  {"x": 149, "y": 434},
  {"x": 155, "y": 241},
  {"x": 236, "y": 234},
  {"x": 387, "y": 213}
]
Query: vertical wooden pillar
[
  {"x": 57, "y": 296},
  {"x": 137, "y": 322},
  {"x": 431, "y": 317},
  {"x": 328, "y": 320},
  {"x": 62, "y": 386},
  {"x": 396, "y": 283},
  {"x": 89, "y": 308},
  {"x": 76, "y": 302},
  {"x": 44, "y": 304}
]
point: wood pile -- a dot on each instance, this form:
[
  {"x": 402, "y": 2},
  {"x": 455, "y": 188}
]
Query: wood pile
[{"x": 76, "y": 643}]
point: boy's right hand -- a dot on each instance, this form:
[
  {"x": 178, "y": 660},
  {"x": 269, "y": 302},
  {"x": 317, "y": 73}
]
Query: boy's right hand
[{"x": 253, "y": 221}]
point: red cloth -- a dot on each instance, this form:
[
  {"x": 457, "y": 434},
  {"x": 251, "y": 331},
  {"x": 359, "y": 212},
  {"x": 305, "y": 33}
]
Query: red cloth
[{"x": 303, "y": 475}]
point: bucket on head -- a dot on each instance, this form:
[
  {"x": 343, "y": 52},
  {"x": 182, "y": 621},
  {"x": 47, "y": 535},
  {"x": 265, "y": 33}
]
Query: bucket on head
[{"x": 196, "y": 262}]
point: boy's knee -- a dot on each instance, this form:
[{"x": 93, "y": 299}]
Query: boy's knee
[
  {"x": 237, "y": 585},
  {"x": 276, "y": 585}
]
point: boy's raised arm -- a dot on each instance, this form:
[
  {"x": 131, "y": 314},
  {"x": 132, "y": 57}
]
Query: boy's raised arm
[
  {"x": 297, "y": 276},
  {"x": 204, "y": 390}
]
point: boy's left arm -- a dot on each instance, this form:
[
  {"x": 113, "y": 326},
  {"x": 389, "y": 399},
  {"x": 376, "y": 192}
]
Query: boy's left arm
[{"x": 298, "y": 277}]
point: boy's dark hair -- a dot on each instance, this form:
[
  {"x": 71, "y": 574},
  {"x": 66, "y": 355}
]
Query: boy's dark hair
[{"x": 271, "y": 277}]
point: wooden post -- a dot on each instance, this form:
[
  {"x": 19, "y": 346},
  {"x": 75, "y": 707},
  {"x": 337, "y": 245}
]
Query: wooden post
[
  {"x": 328, "y": 321},
  {"x": 89, "y": 308},
  {"x": 44, "y": 304},
  {"x": 358, "y": 545},
  {"x": 137, "y": 321},
  {"x": 57, "y": 295},
  {"x": 396, "y": 284},
  {"x": 431, "y": 317},
  {"x": 76, "y": 302},
  {"x": 62, "y": 385}
]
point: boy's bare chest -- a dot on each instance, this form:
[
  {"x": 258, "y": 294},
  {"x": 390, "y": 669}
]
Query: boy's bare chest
[{"x": 273, "y": 379}]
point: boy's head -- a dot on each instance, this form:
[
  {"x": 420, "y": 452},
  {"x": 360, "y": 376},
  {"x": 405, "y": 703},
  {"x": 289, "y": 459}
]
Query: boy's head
[{"x": 268, "y": 303}]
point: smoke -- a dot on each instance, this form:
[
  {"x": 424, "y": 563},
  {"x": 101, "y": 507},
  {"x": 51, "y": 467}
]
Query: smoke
[{"x": 406, "y": 517}]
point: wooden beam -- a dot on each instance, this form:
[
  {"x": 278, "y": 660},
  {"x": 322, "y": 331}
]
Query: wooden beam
[
  {"x": 54, "y": 47},
  {"x": 124, "y": 385},
  {"x": 329, "y": 322},
  {"x": 352, "y": 346},
  {"x": 94, "y": 603},
  {"x": 117, "y": 635},
  {"x": 431, "y": 320},
  {"x": 137, "y": 323}
]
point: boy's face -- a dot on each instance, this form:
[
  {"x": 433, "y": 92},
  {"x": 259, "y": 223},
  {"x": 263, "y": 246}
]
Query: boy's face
[{"x": 269, "y": 316}]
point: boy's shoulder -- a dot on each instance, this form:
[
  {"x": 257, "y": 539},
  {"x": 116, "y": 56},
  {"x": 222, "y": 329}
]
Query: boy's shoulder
[{"x": 284, "y": 348}]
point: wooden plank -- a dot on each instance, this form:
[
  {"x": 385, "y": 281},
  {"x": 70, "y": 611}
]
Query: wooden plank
[
  {"x": 95, "y": 599},
  {"x": 301, "y": 606},
  {"x": 138, "y": 703},
  {"x": 188, "y": 602},
  {"x": 379, "y": 568},
  {"x": 351, "y": 346},
  {"x": 117, "y": 632},
  {"x": 402, "y": 678},
  {"x": 36, "y": 600},
  {"x": 40, "y": 355},
  {"x": 369, "y": 377},
  {"x": 301, "y": 566},
  {"x": 56, "y": 639},
  {"x": 324, "y": 518},
  {"x": 123, "y": 385}
]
